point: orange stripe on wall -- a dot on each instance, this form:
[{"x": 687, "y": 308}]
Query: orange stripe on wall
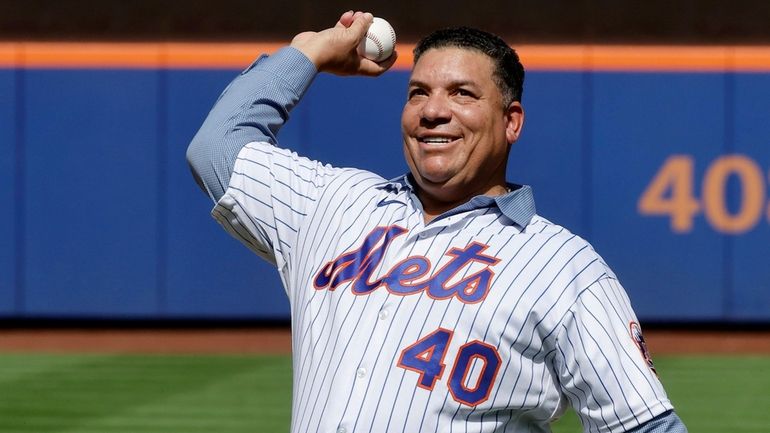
[
  {"x": 55, "y": 55},
  {"x": 9, "y": 55},
  {"x": 646, "y": 58},
  {"x": 90, "y": 55},
  {"x": 751, "y": 59},
  {"x": 211, "y": 55}
]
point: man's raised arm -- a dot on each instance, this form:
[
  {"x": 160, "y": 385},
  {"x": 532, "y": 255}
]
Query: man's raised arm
[{"x": 257, "y": 103}]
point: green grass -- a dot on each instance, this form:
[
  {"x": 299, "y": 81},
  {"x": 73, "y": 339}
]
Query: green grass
[
  {"x": 216, "y": 393},
  {"x": 90, "y": 393}
]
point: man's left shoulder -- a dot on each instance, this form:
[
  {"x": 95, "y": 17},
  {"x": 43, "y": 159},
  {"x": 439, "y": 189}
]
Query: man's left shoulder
[{"x": 576, "y": 251}]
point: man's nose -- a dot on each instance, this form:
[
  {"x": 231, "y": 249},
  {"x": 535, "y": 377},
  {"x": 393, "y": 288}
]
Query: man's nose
[{"x": 436, "y": 109}]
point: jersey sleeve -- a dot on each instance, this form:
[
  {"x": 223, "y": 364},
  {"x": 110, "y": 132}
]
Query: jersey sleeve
[
  {"x": 271, "y": 193},
  {"x": 668, "y": 422},
  {"x": 253, "y": 108},
  {"x": 602, "y": 362}
]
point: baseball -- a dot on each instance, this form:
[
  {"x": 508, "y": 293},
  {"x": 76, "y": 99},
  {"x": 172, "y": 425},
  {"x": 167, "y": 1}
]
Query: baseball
[{"x": 379, "y": 41}]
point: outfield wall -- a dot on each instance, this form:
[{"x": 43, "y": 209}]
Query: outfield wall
[{"x": 659, "y": 156}]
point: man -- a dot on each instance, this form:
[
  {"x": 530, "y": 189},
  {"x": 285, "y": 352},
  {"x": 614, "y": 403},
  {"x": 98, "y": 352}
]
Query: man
[{"x": 437, "y": 301}]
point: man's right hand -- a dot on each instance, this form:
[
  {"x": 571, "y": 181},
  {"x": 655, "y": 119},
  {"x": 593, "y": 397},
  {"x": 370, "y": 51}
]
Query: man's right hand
[{"x": 334, "y": 50}]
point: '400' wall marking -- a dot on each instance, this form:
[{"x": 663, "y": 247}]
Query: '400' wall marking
[{"x": 671, "y": 193}]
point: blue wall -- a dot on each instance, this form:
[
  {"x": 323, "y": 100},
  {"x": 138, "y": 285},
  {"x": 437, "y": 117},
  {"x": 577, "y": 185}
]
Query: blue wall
[
  {"x": 101, "y": 217},
  {"x": 8, "y": 185}
]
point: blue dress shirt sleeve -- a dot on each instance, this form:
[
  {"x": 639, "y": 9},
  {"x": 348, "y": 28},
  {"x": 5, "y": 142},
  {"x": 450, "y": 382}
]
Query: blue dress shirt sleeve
[{"x": 252, "y": 108}]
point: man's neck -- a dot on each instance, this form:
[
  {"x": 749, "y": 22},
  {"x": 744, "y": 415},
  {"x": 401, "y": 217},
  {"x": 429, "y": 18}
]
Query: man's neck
[{"x": 433, "y": 207}]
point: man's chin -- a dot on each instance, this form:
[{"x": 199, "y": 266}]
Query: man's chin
[
  {"x": 439, "y": 188},
  {"x": 438, "y": 175},
  {"x": 433, "y": 181}
]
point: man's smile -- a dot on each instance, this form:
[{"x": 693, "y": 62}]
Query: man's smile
[{"x": 436, "y": 139}]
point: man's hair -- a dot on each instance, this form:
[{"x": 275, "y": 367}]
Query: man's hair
[{"x": 508, "y": 70}]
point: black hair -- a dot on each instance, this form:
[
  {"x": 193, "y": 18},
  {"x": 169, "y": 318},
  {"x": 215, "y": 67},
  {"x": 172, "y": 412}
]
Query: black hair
[{"x": 508, "y": 73}]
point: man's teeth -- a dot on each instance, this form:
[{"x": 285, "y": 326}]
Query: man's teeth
[{"x": 436, "y": 140}]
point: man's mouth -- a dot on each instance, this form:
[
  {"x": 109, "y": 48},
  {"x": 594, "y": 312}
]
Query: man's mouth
[{"x": 433, "y": 140}]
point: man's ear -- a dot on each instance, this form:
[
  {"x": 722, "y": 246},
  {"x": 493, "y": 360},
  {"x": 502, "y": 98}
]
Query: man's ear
[{"x": 515, "y": 121}]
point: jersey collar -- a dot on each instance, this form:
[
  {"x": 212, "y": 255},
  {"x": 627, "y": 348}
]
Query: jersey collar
[{"x": 518, "y": 204}]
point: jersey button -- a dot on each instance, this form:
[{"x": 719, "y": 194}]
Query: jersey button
[
  {"x": 383, "y": 314},
  {"x": 361, "y": 373},
  {"x": 342, "y": 430}
]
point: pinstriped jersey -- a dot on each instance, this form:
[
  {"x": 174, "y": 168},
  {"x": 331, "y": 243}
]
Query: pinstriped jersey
[{"x": 478, "y": 321}]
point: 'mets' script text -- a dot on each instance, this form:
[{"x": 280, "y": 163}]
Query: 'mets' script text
[{"x": 408, "y": 276}]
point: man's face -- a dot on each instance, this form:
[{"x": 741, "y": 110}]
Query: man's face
[{"x": 455, "y": 127}]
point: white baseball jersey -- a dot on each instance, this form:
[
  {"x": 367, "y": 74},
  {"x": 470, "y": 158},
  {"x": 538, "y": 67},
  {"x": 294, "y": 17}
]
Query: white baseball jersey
[
  {"x": 471, "y": 323},
  {"x": 488, "y": 319}
]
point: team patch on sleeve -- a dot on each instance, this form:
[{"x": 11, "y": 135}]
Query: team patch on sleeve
[{"x": 636, "y": 335}]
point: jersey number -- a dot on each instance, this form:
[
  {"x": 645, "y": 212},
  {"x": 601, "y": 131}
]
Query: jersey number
[{"x": 475, "y": 366}]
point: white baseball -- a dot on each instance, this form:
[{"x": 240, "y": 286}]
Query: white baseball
[{"x": 379, "y": 42}]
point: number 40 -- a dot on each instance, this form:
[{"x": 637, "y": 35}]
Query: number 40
[
  {"x": 671, "y": 193},
  {"x": 426, "y": 356}
]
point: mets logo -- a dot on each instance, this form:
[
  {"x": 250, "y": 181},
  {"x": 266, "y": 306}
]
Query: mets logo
[
  {"x": 636, "y": 335},
  {"x": 411, "y": 275}
]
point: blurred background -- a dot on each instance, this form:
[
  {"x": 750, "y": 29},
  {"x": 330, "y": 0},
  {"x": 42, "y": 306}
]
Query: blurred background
[
  {"x": 647, "y": 132},
  {"x": 556, "y": 21}
]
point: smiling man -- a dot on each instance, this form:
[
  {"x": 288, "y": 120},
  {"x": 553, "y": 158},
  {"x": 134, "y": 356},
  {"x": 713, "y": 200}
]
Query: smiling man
[
  {"x": 457, "y": 125},
  {"x": 439, "y": 300}
]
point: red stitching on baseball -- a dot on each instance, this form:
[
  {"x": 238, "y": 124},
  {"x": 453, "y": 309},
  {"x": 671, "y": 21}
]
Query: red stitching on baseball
[{"x": 380, "y": 48}]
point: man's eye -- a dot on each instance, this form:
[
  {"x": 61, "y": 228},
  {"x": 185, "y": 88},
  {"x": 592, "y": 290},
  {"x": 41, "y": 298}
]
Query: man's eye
[
  {"x": 416, "y": 92},
  {"x": 464, "y": 92}
]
